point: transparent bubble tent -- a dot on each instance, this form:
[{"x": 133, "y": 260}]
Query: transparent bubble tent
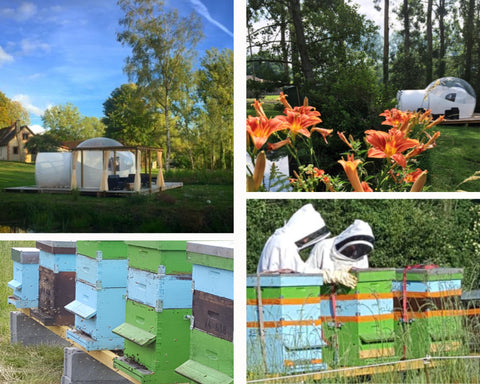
[
  {"x": 97, "y": 164},
  {"x": 449, "y": 96}
]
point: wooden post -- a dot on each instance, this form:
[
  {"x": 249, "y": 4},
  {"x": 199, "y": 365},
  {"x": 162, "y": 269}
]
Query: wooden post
[
  {"x": 81, "y": 168},
  {"x": 138, "y": 170},
  {"x": 160, "y": 181},
  {"x": 104, "y": 180},
  {"x": 150, "y": 170},
  {"x": 73, "y": 180}
]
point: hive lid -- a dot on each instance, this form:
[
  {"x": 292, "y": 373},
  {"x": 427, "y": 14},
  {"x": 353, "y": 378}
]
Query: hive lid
[
  {"x": 81, "y": 309},
  {"x": 134, "y": 334},
  {"x": 202, "y": 374},
  {"x": 25, "y": 255},
  {"x": 58, "y": 247}
]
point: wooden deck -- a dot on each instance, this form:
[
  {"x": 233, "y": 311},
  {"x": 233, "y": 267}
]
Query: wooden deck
[
  {"x": 475, "y": 119},
  {"x": 92, "y": 192}
]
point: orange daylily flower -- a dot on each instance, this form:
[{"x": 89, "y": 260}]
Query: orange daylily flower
[
  {"x": 396, "y": 118},
  {"x": 299, "y": 119},
  {"x": 413, "y": 176},
  {"x": 389, "y": 145},
  {"x": 419, "y": 182},
  {"x": 324, "y": 132},
  {"x": 342, "y": 137},
  {"x": 261, "y": 127},
  {"x": 283, "y": 100},
  {"x": 278, "y": 144},
  {"x": 350, "y": 168},
  {"x": 366, "y": 187}
]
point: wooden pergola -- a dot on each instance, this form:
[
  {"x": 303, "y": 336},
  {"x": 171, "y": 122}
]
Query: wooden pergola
[{"x": 137, "y": 150}]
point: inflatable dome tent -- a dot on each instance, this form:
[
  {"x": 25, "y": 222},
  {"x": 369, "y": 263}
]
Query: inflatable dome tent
[
  {"x": 55, "y": 169},
  {"x": 449, "y": 96}
]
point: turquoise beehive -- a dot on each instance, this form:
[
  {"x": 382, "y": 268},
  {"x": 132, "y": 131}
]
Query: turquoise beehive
[{"x": 25, "y": 278}]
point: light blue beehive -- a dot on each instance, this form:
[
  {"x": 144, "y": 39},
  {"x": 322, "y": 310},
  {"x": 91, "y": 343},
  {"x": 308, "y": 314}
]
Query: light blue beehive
[
  {"x": 25, "y": 278},
  {"x": 291, "y": 311},
  {"x": 58, "y": 256},
  {"x": 99, "y": 304},
  {"x": 97, "y": 312},
  {"x": 159, "y": 290}
]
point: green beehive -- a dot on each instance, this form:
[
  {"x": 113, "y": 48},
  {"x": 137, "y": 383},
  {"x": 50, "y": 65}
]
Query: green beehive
[
  {"x": 358, "y": 324},
  {"x": 148, "y": 255},
  {"x": 427, "y": 310},
  {"x": 155, "y": 343},
  {"x": 111, "y": 250}
]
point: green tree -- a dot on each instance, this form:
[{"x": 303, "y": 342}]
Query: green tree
[
  {"x": 64, "y": 122},
  {"x": 42, "y": 143},
  {"x": 215, "y": 88},
  {"x": 10, "y": 111},
  {"x": 127, "y": 116},
  {"x": 163, "y": 47}
]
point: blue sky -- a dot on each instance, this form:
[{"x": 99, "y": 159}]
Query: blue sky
[{"x": 58, "y": 51}]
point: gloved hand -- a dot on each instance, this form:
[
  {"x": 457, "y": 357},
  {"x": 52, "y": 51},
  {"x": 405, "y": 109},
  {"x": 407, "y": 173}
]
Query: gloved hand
[{"x": 339, "y": 277}]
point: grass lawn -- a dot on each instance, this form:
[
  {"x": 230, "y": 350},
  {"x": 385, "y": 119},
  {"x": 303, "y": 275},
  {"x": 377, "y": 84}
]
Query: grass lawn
[
  {"x": 19, "y": 364},
  {"x": 203, "y": 204},
  {"x": 456, "y": 157}
]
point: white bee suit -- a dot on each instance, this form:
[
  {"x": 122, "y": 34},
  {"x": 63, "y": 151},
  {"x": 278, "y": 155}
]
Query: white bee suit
[
  {"x": 328, "y": 253},
  {"x": 304, "y": 228}
]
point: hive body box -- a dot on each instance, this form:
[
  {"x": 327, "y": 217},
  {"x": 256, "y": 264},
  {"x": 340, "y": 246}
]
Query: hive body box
[
  {"x": 158, "y": 310},
  {"x": 211, "y": 339},
  {"x": 25, "y": 278},
  {"x": 101, "y": 285},
  {"x": 358, "y": 324},
  {"x": 291, "y": 311},
  {"x": 56, "y": 282},
  {"x": 428, "y": 311}
]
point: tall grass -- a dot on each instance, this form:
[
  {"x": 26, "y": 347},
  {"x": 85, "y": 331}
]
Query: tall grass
[{"x": 19, "y": 364}]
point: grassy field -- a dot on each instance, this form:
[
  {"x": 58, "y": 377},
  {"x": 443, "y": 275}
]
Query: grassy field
[
  {"x": 455, "y": 158},
  {"x": 19, "y": 364},
  {"x": 203, "y": 204}
]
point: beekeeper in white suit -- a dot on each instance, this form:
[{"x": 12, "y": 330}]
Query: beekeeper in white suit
[
  {"x": 345, "y": 251},
  {"x": 305, "y": 228}
]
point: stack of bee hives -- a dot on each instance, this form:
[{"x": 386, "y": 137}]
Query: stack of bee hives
[
  {"x": 211, "y": 339},
  {"x": 158, "y": 308},
  {"x": 101, "y": 285}
]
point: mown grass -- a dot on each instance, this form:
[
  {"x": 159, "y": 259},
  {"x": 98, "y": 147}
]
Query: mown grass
[
  {"x": 19, "y": 364},
  {"x": 203, "y": 204},
  {"x": 455, "y": 158}
]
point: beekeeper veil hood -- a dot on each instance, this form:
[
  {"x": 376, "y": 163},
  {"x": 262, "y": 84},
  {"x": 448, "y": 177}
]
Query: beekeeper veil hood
[
  {"x": 306, "y": 227},
  {"x": 356, "y": 241}
]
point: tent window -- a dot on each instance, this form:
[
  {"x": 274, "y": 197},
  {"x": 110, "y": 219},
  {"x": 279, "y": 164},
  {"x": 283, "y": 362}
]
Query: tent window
[{"x": 451, "y": 97}]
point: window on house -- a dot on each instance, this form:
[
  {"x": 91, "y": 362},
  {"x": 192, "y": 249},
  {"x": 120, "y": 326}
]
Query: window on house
[
  {"x": 15, "y": 150},
  {"x": 25, "y": 136}
]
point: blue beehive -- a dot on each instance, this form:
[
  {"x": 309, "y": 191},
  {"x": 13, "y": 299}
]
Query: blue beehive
[
  {"x": 159, "y": 290},
  {"x": 284, "y": 321},
  {"x": 99, "y": 304},
  {"x": 25, "y": 278},
  {"x": 58, "y": 256}
]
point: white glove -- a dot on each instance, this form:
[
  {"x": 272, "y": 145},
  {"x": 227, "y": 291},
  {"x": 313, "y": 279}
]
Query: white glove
[{"x": 339, "y": 277}]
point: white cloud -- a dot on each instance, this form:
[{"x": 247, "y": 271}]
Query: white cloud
[
  {"x": 203, "y": 11},
  {"x": 5, "y": 57},
  {"x": 25, "y": 11},
  {"x": 37, "y": 129},
  {"x": 28, "y": 105},
  {"x": 29, "y": 46}
]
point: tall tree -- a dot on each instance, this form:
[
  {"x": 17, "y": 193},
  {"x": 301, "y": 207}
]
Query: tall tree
[
  {"x": 215, "y": 87},
  {"x": 127, "y": 116},
  {"x": 11, "y": 111},
  {"x": 469, "y": 29},
  {"x": 429, "y": 57},
  {"x": 163, "y": 47},
  {"x": 64, "y": 123}
]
